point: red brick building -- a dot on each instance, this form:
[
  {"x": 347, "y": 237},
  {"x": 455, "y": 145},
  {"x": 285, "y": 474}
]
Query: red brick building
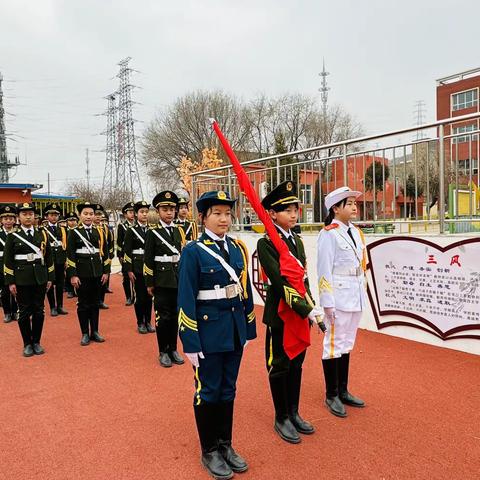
[{"x": 459, "y": 95}]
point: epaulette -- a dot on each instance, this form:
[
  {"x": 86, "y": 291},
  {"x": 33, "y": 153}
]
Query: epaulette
[
  {"x": 331, "y": 226},
  {"x": 242, "y": 245}
]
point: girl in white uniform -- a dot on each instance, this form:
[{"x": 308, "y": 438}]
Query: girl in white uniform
[{"x": 341, "y": 281}]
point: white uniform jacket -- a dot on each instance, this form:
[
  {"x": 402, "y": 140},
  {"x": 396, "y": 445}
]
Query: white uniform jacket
[{"x": 340, "y": 268}]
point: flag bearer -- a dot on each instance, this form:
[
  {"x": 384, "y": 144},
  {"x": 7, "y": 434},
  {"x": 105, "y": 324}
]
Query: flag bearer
[
  {"x": 189, "y": 227},
  {"x": 88, "y": 267},
  {"x": 129, "y": 219},
  {"x": 163, "y": 245},
  {"x": 133, "y": 253},
  {"x": 216, "y": 319},
  {"x": 340, "y": 269},
  {"x": 29, "y": 272},
  {"x": 57, "y": 236},
  {"x": 8, "y": 218},
  {"x": 284, "y": 374}
]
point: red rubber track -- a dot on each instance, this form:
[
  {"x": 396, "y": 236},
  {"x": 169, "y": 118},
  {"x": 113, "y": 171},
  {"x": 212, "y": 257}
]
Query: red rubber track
[{"x": 109, "y": 411}]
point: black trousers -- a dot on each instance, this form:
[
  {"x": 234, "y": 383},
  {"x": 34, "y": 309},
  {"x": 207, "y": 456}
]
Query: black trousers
[
  {"x": 30, "y": 299},
  {"x": 165, "y": 305},
  {"x": 143, "y": 301},
  {"x": 277, "y": 361},
  {"x": 9, "y": 303},
  {"x": 55, "y": 294},
  {"x": 87, "y": 305},
  {"x": 127, "y": 285}
]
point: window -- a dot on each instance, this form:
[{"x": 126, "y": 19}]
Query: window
[
  {"x": 465, "y": 99},
  {"x": 464, "y": 166},
  {"x": 464, "y": 129},
  {"x": 306, "y": 194}
]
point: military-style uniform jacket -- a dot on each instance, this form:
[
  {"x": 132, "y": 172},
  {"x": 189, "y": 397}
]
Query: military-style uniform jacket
[
  {"x": 87, "y": 260},
  {"x": 208, "y": 326},
  {"x": 278, "y": 287},
  {"x": 134, "y": 248},
  {"x": 189, "y": 228},
  {"x": 57, "y": 236},
  {"x": 121, "y": 231},
  {"x": 24, "y": 265},
  {"x": 340, "y": 267},
  {"x": 160, "y": 261}
]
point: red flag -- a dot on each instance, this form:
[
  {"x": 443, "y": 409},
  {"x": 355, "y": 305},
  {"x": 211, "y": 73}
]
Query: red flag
[{"x": 296, "y": 337}]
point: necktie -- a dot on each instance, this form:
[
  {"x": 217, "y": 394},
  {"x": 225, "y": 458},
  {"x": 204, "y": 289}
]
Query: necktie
[
  {"x": 88, "y": 230},
  {"x": 223, "y": 250},
  {"x": 292, "y": 243},
  {"x": 170, "y": 231},
  {"x": 29, "y": 234},
  {"x": 349, "y": 231}
]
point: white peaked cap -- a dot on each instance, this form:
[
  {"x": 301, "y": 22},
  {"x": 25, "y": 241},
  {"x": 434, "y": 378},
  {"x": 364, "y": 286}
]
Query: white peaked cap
[{"x": 338, "y": 195}]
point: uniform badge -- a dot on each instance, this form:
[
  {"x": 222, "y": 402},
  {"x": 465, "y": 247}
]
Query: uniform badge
[
  {"x": 221, "y": 195},
  {"x": 289, "y": 186},
  {"x": 7, "y": 209},
  {"x": 168, "y": 195},
  {"x": 26, "y": 205},
  {"x": 54, "y": 206}
]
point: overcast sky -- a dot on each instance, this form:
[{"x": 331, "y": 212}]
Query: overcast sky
[{"x": 59, "y": 59}]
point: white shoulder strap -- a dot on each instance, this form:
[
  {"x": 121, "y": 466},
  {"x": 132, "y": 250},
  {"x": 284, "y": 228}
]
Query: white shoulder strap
[
  {"x": 31, "y": 245},
  {"x": 134, "y": 230},
  {"x": 171, "y": 247},
  {"x": 223, "y": 263}
]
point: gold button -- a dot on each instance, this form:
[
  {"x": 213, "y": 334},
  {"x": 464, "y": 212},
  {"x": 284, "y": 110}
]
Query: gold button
[{"x": 205, "y": 317}]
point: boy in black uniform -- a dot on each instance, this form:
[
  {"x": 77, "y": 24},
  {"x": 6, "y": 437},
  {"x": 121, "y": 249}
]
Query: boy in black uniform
[
  {"x": 129, "y": 216},
  {"x": 163, "y": 245},
  {"x": 88, "y": 267},
  {"x": 57, "y": 236},
  {"x": 284, "y": 374},
  {"x": 72, "y": 222},
  {"x": 133, "y": 252},
  {"x": 29, "y": 272},
  {"x": 189, "y": 227},
  {"x": 8, "y": 217}
]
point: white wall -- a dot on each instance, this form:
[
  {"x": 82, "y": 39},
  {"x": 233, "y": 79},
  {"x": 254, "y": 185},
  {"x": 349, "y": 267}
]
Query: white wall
[{"x": 368, "y": 320}]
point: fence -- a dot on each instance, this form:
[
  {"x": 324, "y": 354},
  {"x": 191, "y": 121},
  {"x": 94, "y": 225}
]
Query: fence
[{"x": 429, "y": 184}]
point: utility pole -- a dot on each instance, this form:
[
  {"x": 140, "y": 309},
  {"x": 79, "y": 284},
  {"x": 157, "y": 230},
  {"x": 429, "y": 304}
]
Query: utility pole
[
  {"x": 419, "y": 117},
  {"x": 127, "y": 155},
  {"x": 324, "y": 91},
  {"x": 87, "y": 171},
  {"x": 48, "y": 183},
  {"x": 113, "y": 179}
]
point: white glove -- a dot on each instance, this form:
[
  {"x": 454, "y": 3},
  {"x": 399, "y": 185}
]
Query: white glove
[
  {"x": 330, "y": 314},
  {"x": 194, "y": 358},
  {"x": 316, "y": 312}
]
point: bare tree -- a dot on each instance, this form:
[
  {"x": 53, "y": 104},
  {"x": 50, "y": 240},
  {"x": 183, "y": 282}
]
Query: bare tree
[{"x": 94, "y": 194}]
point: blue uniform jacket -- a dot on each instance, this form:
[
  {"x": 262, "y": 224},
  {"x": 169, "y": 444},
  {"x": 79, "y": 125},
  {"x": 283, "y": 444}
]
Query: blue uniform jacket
[{"x": 208, "y": 325}]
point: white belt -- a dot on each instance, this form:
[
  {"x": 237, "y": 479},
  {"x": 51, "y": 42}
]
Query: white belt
[
  {"x": 29, "y": 256},
  {"x": 348, "y": 272},
  {"x": 1, "y": 253},
  {"x": 88, "y": 251},
  {"x": 55, "y": 244},
  {"x": 167, "y": 258},
  {"x": 230, "y": 291},
  {"x": 138, "y": 251}
]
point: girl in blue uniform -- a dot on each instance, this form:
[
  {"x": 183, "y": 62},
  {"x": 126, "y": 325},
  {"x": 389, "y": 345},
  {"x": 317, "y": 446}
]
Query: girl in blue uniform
[{"x": 216, "y": 320}]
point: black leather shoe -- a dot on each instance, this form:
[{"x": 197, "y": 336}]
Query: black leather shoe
[
  {"x": 62, "y": 311},
  {"x": 85, "y": 340},
  {"x": 348, "y": 399},
  {"x": 233, "y": 459},
  {"x": 216, "y": 465},
  {"x": 8, "y": 318},
  {"x": 176, "y": 358},
  {"x": 142, "y": 329},
  {"x": 28, "y": 351},
  {"x": 335, "y": 406},
  {"x": 301, "y": 425},
  {"x": 70, "y": 295},
  {"x": 165, "y": 360},
  {"x": 96, "y": 337},
  {"x": 149, "y": 328},
  {"x": 53, "y": 312},
  {"x": 38, "y": 349},
  {"x": 129, "y": 302},
  {"x": 286, "y": 430},
  {"x": 103, "y": 306}
]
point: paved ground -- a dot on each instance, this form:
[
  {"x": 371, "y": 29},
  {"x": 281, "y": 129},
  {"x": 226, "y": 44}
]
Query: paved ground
[{"x": 109, "y": 411}]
